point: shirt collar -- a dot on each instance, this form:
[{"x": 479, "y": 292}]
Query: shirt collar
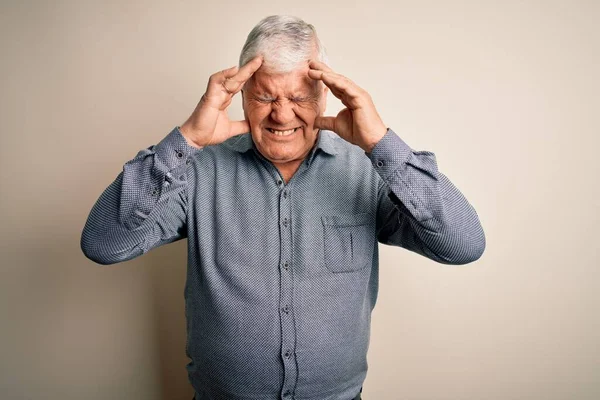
[{"x": 325, "y": 142}]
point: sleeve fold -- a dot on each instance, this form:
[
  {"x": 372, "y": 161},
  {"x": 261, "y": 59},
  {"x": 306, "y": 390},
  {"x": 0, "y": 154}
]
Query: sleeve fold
[
  {"x": 420, "y": 209},
  {"x": 144, "y": 207}
]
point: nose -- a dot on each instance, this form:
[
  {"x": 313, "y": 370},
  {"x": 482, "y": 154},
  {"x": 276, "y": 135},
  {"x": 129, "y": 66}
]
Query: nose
[{"x": 282, "y": 112}]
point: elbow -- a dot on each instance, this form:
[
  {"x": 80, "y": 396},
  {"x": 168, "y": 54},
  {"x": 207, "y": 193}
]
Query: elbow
[
  {"x": 90, "y": 253},
  {"x": 478, "y": 245},
  {"x": 471, "y": 251},
  {"x": 479, "y": 248},
  {"x": 474, "y": 253},
  {"x": 96, "y": 253},
  {"x": 459, "y": 252}
]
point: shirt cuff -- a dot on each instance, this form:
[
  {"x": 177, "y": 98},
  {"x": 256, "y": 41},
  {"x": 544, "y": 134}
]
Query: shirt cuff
[
  {"x": 174, "y": 150},
  {"x": 389, "y": 154}
]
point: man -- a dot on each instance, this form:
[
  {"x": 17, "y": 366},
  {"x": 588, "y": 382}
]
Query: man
[{"x": 283, "y": 213}]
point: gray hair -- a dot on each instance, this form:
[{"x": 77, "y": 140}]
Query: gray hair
[{"x": 285, "y": 43}]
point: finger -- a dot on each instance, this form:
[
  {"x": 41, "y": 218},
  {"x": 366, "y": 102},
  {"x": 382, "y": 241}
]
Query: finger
[
  {"x": 327, "y": 123},
  {"x": 248, "y": 69},
  {"x": 227, "y": 103},
  {"x": 231, "y": 86},
  {"x": 216, "y": 81},
  {"x": 316, "y": 64},
  {"x": 235, "y": 79},
  {"x": 239, "y": 127},
  {"x": 340, "y": 83},
  {"x": 341, "y": 87},
  {"x": 229, "y": 72}
]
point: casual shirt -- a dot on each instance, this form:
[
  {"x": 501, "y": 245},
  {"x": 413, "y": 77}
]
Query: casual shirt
[{"x": 282, "y": 277}]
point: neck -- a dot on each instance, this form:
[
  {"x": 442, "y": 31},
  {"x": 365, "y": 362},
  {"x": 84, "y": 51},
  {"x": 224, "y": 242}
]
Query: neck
[{"x": 288, "y": 169}]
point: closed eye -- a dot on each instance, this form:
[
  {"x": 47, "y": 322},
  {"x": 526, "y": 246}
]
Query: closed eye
[{"x": 292, "y": 99}]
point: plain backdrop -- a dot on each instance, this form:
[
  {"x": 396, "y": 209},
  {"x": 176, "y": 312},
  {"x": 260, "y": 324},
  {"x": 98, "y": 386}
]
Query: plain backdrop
[{"x": 506, "y": 94}]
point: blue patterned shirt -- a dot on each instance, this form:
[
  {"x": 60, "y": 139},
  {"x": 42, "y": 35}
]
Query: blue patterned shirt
[{"x": 282, "y": 277}]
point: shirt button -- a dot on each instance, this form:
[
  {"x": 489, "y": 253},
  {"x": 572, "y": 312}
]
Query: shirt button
[
  {"x": 279, "y": 182},
  {"x": 285, "y": 194},
  {"x": 285, "y": 309},
  {"x": 188, "y": 161},
  {"x": 287, "y": 354},
  {"x": 285, "y": 222},
  {"x": 380, "y": 163},
  {"x": 154, "y": 192},
  {"x": 179, "y": 154},
  {"x": 286, "y": 265}
]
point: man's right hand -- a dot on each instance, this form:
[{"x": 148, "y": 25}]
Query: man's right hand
[{"x": 209, "y": 123}]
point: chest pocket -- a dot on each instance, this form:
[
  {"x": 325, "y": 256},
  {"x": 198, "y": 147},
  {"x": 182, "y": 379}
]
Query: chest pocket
[{"x": 348, "y": 241}]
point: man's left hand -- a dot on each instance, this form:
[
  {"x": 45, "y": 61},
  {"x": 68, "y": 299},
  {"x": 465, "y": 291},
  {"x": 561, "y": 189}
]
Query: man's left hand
[{"x": 358, "y": 123}]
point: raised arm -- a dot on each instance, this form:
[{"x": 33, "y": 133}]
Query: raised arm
[
  {"x": 419, "y": 208},
  {"x": 146, "y": 205}
]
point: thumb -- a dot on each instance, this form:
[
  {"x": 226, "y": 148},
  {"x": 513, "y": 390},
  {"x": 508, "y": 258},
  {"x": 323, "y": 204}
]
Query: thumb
[{"x": 327, "y": 123}]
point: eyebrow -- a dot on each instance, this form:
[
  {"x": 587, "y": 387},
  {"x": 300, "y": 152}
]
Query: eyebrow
[{"x": 266, "y": 95}]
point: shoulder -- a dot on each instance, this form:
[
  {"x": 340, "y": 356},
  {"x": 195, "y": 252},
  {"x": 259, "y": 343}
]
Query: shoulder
[
  {"x": 344, "y": 149},
  {"x": 230, "y": 149}
]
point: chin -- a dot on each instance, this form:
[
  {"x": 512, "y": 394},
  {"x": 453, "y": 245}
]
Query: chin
[{"x": 278, "y": 156}]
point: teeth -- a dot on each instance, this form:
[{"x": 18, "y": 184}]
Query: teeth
[{"x": 282, "y": 133}]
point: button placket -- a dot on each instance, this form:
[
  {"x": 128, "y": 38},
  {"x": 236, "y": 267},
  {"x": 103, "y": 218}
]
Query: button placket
[{"x": 288, "y": 333}]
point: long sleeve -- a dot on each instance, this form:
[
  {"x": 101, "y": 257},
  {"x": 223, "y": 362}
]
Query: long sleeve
[
  {"x": 144, "y": 207},
  {"x": 420, "y": 209}
]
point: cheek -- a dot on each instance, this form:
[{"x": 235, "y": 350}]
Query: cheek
[
  {"x": 257, "y": 114},
  {"x": 309, "y": 112}
]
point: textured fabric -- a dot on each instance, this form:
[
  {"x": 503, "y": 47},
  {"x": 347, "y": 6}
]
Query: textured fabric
[
  {"x": 281, "y": 278},
  {"x": 197, "y": 396},
  {"x": 357, "y": 397}
]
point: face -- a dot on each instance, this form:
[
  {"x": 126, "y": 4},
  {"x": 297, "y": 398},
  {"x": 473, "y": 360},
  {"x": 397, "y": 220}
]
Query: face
[{"x": 281, "y": 109}]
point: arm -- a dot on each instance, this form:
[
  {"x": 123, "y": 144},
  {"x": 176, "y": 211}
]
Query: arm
[
  {"x": 420, "y": 209},
  {"x": 144, "y": 207}
]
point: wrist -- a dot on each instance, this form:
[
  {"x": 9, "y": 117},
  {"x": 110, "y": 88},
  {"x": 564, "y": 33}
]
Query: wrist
[
  {"x": 372, "y": 143},
  {"x": 188, "y": 135}
]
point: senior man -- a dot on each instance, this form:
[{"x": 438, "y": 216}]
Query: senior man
[{"x": 283, "y": 213}]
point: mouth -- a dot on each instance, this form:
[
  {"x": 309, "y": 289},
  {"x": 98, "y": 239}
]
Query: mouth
[{"x": 287, "y": 132}]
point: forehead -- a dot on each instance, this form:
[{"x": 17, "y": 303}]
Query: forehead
[{"x": 293, "y": 82}]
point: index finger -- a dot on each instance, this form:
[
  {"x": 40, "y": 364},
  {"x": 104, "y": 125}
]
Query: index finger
[
  {"x": 318, "y": 65},
  {"x": 343, "y": 88},
  {"x": 248, "y": 69}
]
